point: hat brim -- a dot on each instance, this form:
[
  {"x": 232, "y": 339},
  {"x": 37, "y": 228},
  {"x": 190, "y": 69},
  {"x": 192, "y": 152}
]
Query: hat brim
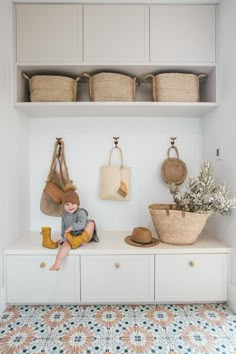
[{"x": 154, "y": 242}]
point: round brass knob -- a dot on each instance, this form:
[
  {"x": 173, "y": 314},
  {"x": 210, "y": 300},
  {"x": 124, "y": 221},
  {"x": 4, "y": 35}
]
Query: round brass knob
[
  {"x": 42, "y": 265},
  {"x": 117, "y": 265},
  {"x": 191, "y": 263}
]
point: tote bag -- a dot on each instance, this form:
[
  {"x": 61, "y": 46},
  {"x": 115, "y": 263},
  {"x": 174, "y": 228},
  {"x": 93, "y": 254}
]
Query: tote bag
[{"x": 115, "y": 180}]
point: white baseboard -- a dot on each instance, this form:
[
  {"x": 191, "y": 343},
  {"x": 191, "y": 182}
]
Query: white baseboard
[
  {"x": 3, "y": 304},
  {"x": 232, "y": 297}
]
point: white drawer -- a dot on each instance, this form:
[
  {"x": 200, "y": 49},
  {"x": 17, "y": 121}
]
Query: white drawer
[
  {"x": 191, "y": 277},
  {"x": 30, "y": 281},
  {"x": 121, "y": 278}
]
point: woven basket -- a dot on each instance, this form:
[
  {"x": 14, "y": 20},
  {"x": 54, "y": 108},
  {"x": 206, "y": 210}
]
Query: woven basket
[
  {"x": 177, "y": 227},
  {"x": 176, "y": 87},
  {"x": 47, "y": 88},
  {"x": 173, "y": 170},
  {"x": 111, "y": 87}
]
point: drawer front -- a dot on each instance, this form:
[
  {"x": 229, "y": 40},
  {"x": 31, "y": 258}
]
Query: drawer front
[
  {"x": 191, "y": 277},
  {"x": 30, "y": 281},
  {"x": 118, "y": 278}
]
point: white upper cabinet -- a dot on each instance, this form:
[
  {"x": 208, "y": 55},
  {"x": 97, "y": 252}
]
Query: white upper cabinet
[
  {"x": 49, "y": 33},
  {"x": 116, "y": 33},
  {"x": 182, "y": 34}
]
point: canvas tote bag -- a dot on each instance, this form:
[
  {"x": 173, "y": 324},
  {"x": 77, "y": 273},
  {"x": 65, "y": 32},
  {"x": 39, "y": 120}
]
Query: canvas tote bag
[
  {"x": 58, "y": 178},
  {"x": 115, "y": 180}
]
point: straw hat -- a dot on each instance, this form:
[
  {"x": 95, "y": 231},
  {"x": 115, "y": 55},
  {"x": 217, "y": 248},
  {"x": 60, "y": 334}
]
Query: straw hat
[{"x": 141, "y": 237}]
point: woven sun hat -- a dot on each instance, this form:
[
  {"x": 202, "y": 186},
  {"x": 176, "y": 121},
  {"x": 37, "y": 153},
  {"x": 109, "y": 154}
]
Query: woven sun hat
[
  {"x": 173, "y": 170},
  {"x": 141, "y": 237}
]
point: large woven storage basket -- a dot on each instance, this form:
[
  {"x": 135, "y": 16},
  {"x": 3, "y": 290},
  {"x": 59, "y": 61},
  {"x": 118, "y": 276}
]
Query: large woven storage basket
[
  {"x": 177, "y": 227},
  {"x": 111, "y": 87},
  {"x": 176, "y": 87},
  {"x": 51, "y": 88}
]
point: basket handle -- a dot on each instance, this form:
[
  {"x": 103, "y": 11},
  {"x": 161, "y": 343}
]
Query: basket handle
[
  {"x": 87, "y": 76},
  {"x": 75, "y": 87},
  {"x": 153, "y": 85},
  {"x": 176, "y": 150},
  {"x": 168, "y": 211},
  {"x": 25, "y": 76},
  {"x": 135, "y": 83},
  {"x": 202, "y": 76}
]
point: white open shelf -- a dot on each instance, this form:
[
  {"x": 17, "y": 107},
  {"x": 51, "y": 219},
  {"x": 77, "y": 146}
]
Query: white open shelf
[{"x": 115, "y": 109}]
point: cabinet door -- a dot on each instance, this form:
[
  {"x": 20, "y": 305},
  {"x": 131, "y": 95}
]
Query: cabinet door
[
  {"x": 182, "y": 33},
  {"x": 29, "y": 280},
  {"x": 116, "y": 33},
  {"x": 191, "y": 277},
  {"x": 49, "y": 33},
  {"x": 118, "y": 278}
]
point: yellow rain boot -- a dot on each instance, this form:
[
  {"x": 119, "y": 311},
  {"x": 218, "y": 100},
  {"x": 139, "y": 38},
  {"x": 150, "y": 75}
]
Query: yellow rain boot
[
  {"x": 47, "y": 241},
  {"x": 76, "y": 241}
]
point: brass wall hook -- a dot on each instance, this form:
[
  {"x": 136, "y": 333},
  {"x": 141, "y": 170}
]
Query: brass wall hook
[
  {"x": 59, "y": 148},
  {"x": 172, "y": 141},
  {"x": 116, "y": 138}
]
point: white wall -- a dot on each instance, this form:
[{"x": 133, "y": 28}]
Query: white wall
[
  {"x": 144, "y": 141},
  {"x": 14, "y": 170},
  {"x": 219, "y": 130}
]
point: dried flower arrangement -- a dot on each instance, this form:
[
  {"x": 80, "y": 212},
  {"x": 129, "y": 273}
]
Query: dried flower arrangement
[{"x": 203, "y": 194}]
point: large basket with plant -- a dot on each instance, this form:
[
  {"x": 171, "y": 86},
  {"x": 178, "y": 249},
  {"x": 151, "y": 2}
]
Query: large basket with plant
[
  {"x": 182, "y": 222},
  {"x": 177, "y": 227}
]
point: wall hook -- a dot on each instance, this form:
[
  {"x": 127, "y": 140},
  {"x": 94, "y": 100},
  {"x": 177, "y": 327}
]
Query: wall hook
[
  {"x": 59, "y": 148},
  {"x": 59, "y": 140},
  {"x": 116, "y": 138},
  {"x": 173, "y": 141}
]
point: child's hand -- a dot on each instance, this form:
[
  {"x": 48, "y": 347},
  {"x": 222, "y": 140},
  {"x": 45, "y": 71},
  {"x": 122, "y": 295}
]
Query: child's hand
[
  {"x": 68, "y": 230},
  {"x": 59, "y": 241}
]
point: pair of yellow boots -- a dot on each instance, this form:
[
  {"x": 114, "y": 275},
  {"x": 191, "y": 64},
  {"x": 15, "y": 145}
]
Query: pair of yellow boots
[{"x": 74, "y": 241}]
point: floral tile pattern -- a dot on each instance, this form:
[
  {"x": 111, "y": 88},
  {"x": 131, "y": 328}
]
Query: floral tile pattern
[{"x": 118, "y": 329}]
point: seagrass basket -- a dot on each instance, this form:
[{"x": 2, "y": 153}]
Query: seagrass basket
[
  {"x": 111, "y": 87},
  {"x": 177, "y": 227},
  {"x": 52, "y": 88},
  {"x": 176, "y": 87}
]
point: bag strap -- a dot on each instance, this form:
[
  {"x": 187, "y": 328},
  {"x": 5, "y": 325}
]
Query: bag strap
[
  {"x": 176, "y": 150},
  {"x": 121, "y": 156}
]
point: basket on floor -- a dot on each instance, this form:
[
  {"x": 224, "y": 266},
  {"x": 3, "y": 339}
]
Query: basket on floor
[
  {"x": 176, "y": 87},
  {"x": 177, "y": 227},
  {"x": 111, "y": 87},
  {"x": 51, "y": 88}
]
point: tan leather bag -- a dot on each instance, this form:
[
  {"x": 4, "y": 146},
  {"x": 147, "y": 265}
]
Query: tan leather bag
[{"x": 58, "y": 178}]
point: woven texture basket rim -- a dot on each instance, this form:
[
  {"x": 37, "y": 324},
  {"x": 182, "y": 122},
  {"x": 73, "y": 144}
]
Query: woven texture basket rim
[
  {"x": 111, "y": 74},
  {"x": 52, "y": 77}
]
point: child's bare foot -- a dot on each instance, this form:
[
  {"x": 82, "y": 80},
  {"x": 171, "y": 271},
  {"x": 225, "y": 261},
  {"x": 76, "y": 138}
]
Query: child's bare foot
[{"x": 54, "y": 267}]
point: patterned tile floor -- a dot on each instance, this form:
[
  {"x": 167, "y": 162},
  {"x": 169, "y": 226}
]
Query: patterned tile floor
[{"x": 188, "y": 329}]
